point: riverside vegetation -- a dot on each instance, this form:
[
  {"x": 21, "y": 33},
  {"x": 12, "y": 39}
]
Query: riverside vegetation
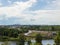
[{"x": 17, "y": 34}]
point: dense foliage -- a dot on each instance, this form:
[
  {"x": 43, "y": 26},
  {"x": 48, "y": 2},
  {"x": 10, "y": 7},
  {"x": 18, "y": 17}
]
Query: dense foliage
[
  {"x": 38, "y": 39},
  {"x": 22, "y": 39},
  {"x": 6, "y": 32},
  {"x": 57, "y": 39},
  {"x": 25, "y": 28}
]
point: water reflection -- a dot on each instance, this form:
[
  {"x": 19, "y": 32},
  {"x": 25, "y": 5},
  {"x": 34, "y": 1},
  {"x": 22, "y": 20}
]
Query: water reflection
[{"x": 44, "y": 42}]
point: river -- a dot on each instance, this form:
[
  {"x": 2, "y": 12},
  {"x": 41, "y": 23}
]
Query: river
[{"x": 44, "y": 42}]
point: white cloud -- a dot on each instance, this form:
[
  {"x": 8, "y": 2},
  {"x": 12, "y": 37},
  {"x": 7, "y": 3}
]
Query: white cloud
[
  {"x": 46, "y": 17},
  {"x": 16, "y": 9},
  {"x": 9, "y": 1},
  {"x": 41, "y": 16},
  {"x": 54, "y": 5}
]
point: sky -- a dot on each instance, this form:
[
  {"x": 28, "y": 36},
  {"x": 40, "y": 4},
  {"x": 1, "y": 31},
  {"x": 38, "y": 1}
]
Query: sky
[{"x": 30, "y": 12}]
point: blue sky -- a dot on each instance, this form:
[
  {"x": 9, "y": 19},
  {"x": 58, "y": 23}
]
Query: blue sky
[{"x": 30, "y": 12}]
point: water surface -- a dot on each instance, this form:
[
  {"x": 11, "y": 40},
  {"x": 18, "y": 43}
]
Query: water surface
[{"x": 44, "y": 42}]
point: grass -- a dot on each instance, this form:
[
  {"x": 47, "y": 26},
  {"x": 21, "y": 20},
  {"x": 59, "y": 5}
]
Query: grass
[
  {"x": 43, "y": 34},
  {"x": 35, "y": 33}
]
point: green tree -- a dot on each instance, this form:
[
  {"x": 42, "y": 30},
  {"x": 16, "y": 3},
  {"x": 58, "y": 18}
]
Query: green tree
[
  {"x": 29, "y": 42},
  {"x": 52, "y": 28},
  {"x": 57, "y": 39},
  {"x": 38, "y": 39},
  {"x": 13, "y": 33},
  {"x": 21, "y": 39}
]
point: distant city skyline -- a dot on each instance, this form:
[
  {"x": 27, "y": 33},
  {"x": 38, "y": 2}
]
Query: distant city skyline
[{"x": 30, "y": 12}]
